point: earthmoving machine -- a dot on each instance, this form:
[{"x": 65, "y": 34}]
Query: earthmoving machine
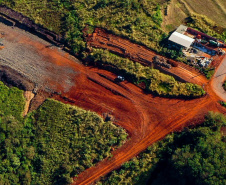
[{"x": 161, "y": 62}]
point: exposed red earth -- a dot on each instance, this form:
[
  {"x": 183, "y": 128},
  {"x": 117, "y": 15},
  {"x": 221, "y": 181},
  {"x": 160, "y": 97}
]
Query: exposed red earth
[{"x": 147, "y": 118}]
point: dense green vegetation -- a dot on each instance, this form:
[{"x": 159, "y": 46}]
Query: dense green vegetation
[
  {"x": 193, "y": 156},
  {"x": 156, "y": 81},
  {"x": 12, "y": 101},
  {"x": 208, "y": 72},
  {"x": 51, "y": 144}
]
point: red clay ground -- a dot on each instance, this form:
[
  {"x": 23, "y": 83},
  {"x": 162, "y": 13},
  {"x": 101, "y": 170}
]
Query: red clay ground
[{"x": 147, "y": 118}]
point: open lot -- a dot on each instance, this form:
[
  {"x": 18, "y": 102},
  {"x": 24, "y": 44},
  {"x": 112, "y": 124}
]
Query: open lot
[{"x": 147, "y": 118}]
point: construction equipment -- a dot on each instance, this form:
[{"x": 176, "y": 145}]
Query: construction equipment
[
  {"x": 161, "y": 62},
  {"x": 214, "y": 43}
]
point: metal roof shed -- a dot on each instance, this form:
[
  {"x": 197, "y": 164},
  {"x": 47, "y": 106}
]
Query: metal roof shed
[{"x": 181, "y": 39}]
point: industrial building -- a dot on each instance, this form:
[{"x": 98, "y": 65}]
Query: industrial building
[
  {"x": 198, "y": 47},
  {"x": 181, "y": 39}
]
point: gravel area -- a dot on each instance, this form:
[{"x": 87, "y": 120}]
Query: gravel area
[{"x": 19, "y": 55}]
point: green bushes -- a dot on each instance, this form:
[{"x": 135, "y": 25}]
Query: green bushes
[
  {"x": 208, "y": 72},
  {"x": 193, "y": 156},
  {"x": 11, "y": 101},
  {"x": 53, "y": 143},
  {"x": 160, "y": 83}
]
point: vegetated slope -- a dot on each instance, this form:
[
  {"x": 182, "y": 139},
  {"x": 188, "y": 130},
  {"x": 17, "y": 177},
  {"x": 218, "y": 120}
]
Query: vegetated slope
[
  {"x": 213, "y": 9},
  {"x": 53, "y": 143},
  {"x": 193, "y": 156}
]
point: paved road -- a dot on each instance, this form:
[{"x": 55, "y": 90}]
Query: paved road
[{"x": 218, "y": 79}]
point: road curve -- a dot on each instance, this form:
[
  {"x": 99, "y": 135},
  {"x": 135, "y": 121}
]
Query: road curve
[{"x": 218, "y": 79}]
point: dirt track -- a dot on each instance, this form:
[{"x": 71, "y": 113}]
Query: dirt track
[{"x": 147, "y": 118}]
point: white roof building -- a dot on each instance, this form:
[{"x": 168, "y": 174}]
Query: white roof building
[{"x": 181, "y": 39}]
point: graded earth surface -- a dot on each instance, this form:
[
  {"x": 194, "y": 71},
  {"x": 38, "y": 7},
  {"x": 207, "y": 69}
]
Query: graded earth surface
[{"x": 147, "y": 118}]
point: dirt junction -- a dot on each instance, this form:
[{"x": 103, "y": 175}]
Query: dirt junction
[{"x": 146, "y": 117}]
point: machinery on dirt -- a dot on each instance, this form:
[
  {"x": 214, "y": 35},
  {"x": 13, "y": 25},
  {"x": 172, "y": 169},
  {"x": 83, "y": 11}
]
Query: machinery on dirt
[{"x": 161, "y": 62}]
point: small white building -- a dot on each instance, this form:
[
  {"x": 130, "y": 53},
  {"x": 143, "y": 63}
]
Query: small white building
[{"x": 181, "y": 39}]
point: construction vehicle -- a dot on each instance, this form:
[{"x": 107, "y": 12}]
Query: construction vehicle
[
  {"x": 214, "y": 43},
  {"x": 161, "y": 62}
]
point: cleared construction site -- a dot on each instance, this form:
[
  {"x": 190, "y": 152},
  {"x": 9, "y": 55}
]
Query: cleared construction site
[{"x": 47, "y": 71}]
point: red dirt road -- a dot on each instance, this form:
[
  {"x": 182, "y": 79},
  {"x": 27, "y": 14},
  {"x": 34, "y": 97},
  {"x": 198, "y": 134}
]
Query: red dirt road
[{"x": 147, "y": 118}]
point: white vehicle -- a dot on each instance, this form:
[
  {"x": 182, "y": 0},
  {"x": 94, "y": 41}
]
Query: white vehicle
[{"x": 120, "y": 78}]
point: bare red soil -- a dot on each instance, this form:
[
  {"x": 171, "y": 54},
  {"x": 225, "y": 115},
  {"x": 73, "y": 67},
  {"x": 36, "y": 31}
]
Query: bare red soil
[{"x": 147, "y": 118}]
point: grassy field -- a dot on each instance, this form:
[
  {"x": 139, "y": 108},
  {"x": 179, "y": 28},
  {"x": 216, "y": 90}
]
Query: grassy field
[{"x": 179, "y": 10}]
